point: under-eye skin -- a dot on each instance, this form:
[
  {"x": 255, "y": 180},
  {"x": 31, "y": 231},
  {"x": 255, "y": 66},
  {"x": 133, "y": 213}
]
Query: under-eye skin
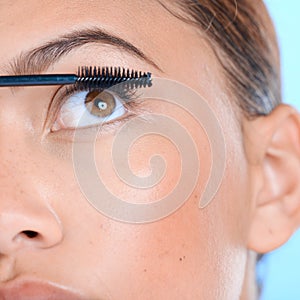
[{"x": 70, "y": 108}]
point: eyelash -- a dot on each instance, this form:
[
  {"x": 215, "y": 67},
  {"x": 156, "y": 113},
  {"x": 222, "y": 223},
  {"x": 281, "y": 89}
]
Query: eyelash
[{"x": 128, "y": 97}]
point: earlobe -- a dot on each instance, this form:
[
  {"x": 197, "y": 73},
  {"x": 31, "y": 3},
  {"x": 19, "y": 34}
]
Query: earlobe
[{"x": 274, "y": 152}]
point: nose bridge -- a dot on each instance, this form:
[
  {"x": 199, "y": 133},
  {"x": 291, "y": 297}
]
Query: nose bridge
[
  {"x": 18, "y": 144},
  {"x": 20, "y": 168},
  {"x": 17, "y": 110},
  {"x": 18, "y": 188},
  {"x": 18, "y": 162}
]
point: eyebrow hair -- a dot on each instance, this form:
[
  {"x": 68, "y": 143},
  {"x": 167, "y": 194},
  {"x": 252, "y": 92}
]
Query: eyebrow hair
[{"x": 41, "y": 58}]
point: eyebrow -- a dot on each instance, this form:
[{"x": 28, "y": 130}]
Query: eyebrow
[{"x": 42, "y": 57}]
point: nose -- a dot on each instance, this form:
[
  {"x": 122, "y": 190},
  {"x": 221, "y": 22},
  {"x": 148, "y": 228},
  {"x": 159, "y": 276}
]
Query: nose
[
  {"x": 27, "y": 220},
  {"x": 28, "y": 224}
]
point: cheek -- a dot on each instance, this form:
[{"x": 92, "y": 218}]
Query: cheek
[
  {"x": 148, "y": 161},
  {"x": 146, "y": 172},
  {"x": 205, "y": 248}
]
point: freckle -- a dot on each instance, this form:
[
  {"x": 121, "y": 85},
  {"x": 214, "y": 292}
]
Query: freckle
[
  {"x": 180, "y": 258},
  {"x": 145, "y": 270}
]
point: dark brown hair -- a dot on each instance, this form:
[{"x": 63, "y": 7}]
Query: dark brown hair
[{"x": 242, "y": 36}]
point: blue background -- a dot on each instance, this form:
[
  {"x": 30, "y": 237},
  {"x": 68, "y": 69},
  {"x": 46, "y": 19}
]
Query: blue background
[{"x": 280, "y": 270}]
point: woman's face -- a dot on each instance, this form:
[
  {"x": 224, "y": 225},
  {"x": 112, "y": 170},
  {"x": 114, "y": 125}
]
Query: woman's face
[{"x": 192, "y": 253}]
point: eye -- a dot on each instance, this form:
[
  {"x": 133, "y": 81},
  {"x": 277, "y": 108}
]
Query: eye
[{"x": 88, "y": 108}]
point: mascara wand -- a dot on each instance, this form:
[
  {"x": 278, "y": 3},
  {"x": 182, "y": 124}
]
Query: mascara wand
[{"x": 87, "y": 77}]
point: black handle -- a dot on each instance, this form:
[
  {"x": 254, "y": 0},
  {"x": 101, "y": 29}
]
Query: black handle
[{"x": 28, "y": 80}]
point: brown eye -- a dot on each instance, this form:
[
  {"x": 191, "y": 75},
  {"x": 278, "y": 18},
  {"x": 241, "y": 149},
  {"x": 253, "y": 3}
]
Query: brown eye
[
  {"x": 89, "y": 108},
  {"x": 100, "y": 103}
]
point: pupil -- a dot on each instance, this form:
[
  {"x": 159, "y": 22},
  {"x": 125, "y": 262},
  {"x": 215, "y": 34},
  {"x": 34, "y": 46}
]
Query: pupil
[{"x": 101, "y": 105}]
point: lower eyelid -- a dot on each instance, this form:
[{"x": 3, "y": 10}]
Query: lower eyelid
[{"x": 88, "y": 134}]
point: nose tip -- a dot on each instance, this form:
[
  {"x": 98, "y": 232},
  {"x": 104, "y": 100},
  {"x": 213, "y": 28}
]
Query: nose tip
[{"x": 31, "y": 227}]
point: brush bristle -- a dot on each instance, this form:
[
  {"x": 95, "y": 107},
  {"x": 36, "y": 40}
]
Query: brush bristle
[{"x": 105, "y": 77}]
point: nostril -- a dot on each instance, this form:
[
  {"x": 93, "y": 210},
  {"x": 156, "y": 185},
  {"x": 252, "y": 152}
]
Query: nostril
[{"x": 30, "y": 234}]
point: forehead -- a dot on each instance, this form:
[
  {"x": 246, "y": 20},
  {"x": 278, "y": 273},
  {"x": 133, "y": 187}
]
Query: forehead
[
  {"x": 76, "y": 8},
  {"x": 174, "y": 46},
  {"x": 37, "y": 21}
]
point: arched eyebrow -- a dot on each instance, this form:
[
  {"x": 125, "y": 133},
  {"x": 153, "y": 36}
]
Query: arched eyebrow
[{"x": 39, "y": 59}]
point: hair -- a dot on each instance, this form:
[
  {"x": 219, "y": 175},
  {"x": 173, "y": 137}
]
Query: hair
[{"x": 244, "y": 40}]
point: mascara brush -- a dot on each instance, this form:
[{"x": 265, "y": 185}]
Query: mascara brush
[{"x": 87, "y": 77}]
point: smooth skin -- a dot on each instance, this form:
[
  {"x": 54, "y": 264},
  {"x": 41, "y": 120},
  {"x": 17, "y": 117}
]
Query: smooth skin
[{"x": 191, "y": 254}]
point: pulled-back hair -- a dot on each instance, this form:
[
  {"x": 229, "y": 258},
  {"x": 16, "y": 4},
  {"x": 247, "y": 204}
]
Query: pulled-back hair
[{"x": 242, "y": 36}]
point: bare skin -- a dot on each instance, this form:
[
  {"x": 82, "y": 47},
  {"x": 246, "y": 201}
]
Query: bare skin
[{"x": 191, "y": 254}]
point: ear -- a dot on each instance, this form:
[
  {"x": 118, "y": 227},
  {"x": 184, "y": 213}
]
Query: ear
[{"x": 272, "y": 145}]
